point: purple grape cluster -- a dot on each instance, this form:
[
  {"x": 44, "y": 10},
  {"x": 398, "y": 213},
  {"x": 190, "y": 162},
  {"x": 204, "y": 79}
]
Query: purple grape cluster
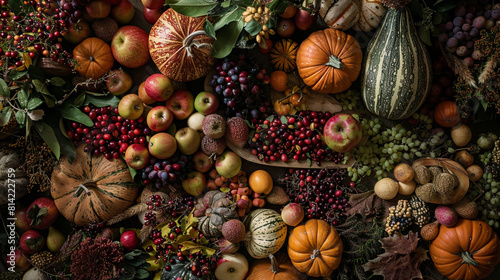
[
  {"x": 168, "y": 171},
  {"x": 72, "y": 9},
  {"x": 242, "y": 88},
  {"x": 459, "y": 34}
]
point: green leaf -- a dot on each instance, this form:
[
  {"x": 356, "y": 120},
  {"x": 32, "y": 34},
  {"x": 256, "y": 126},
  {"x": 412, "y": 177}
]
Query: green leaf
[
  {"x": 67, "y": 146},
  {"x": 35, "y": 243},
  {"x": 36, "y": 72},
  {"x": 48, "y": 135},
  {"x": 253, "y": 28},
  {"x": 283, "y": 120},
  {"x": 277, "y": 6},
  {"x": 49, "y": 100},
  {"x": 233, "y": 14},
  {"x": 21, "y": 117},
  {"x": 437, "y": 19},
  {"x": 14, "y": 74},
  {"x": 28, "y": 128},
  {"x": 36, "y": 214},
  {"x": 226, "y": 38},
  {"x": 74, "y": 114},
  {"x": 41, "y": 87},
  {"x": 142, "y": 274},
  {"x": 446, "y": 6},
  {"x": 57, "y": 81},
  {"x": 209, "y": 29},
  {"x": 192, "y": 8},
  {"x": 33, "y": 103},
  {"x": 79, "y": 100},
  {"x": 425, "y": 35},
  {"x": 22, "y": 98},
  {"x": 4, "y": 89},
  {"x": 102, "y": 101},
  {"x": 5, "y": 115}
]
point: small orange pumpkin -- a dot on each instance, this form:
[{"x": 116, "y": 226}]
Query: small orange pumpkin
[
  {"x": 284, "y": 55},
  {"x": 315, "y": 248},
  {"x": 329, "y": 61},
  {"x": 92, "y": 188},
  {"x": 94, "y": 58},
  {"x": 469, "y": 250},
  {"x": 270, "y": 269},
  {"x": 446, "y": 114}
]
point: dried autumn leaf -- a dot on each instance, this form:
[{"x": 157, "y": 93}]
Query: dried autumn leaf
[
  {"x": 401, "y": 260},
  {"x": 368, "y": 205}
]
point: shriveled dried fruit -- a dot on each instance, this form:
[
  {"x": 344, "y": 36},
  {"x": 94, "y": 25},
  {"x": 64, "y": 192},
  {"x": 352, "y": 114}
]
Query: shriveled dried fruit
[
  {"x": 445, "y": 183},
  {"x": 426, "y": 192},
  {"x": 422, "y": 175}
]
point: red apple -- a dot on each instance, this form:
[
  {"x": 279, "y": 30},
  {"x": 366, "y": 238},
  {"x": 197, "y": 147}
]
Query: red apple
[
  {"x": 16, "y": 260},
  {"x": 228, "y": 164},
  {"x": 162, "y": 145},
  {"x": 42, "y": 213},
  {"x": 153, "y": 4},
  {"x": 303, "y": 19},
  {"x": 151, "y": 16},
  {"x": 21, "y": 217},
  {"x": 31, "y": 242},
  {"x": 98, "y": 9},
  {"x": 227, "y": 247},
  {"x": 292, "y": 214},
  {"x": 265, "y": 46},
  {"x": 137, "y": 156},
  {"x": 342, "y": 133},
  {"x": 143, "y": 95},
  {"x": 159, "y": 118},
  {"x": 206, "y": 103},
  {"x": 130, "y": 107},
  {"x": 119, "y": 82},
  {"x": 130, "y": 240},
  {"x": 181, "y": 103},
  {"x": 77, "y": 32},
  {"x": 123, "y": 12},
  {"x": 202, "y": 162},
  {"x": 195, "y": 183},
  {"x": 130, "y": 46},
  {"x": 159, "y": 87},
  {"x": 188, "y": 140}
]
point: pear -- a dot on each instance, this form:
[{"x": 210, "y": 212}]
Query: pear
[{"x": 55, "y": 239}]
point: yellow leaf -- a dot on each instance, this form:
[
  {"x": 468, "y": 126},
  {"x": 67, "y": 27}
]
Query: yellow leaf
[
  {"x": 27, "y": 60},
  {"x": 208, "y": 251},
  {"x": 189, "y": 245}
]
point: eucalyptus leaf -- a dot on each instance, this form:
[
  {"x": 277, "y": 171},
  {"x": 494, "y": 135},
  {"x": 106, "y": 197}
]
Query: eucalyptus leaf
[
  {"x": 5, "y": 115},
  {"x": 231, "y": 15},
  {"x": 74, "y": 114},
  {"x": 21, "y": 117},
  {"x": 102, "y": 101},
  {"x": 209, "y": 29},
  {"x": 48, "y": 135},
  {"x": 226, "y": 38},
  {"x": 192, "y": 8},
  {"x": 4, "y": 89},
  {"x": 33, "y": 103},
  {"x": 14, "y": 74},
  {"x": 41, "y": 87},
  {"x": 22, "y": 98},
  {"x": 36, "y": 72},
  {"x": 425, "y": 35},
  {"x": 57, "y": 81}
]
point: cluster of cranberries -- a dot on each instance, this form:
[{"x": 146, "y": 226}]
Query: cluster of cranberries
[
  {"x": 319, "y": 191},
  {"x": 167, "y": 248},
  {"x": 296, "y": 137},
  {"x": 160, "y": 172},
  {"x": 242, "y": 87},
  {"x": 111, "y": 134},
  {"x": 38, "y": 27}
]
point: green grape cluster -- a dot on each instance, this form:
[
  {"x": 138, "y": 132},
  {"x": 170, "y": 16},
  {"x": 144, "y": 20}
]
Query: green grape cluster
[
  {"x": 489, "y": 202},
  {"x": 386, "y": 147},
  {"x": 351, "y": 101}
]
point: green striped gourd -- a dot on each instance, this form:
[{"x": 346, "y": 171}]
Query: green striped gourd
[
  {"x": 396, "y": 75},
  {"x": 266, "y": 233}
]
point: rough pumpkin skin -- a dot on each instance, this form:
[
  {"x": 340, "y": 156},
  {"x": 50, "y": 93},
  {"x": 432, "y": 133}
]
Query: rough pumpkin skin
[{"x": 315, "y": 248}]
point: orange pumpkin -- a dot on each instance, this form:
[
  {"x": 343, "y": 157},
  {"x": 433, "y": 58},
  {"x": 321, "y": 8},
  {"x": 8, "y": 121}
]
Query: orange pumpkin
[
  {"x": 92, "y": 189},
  {"x": 270, "y": 269},
  {"x": 284, "y": 55},
  {"x": 179, "y": 46},
  {"x": 446, "y": 114},
  {"x": 315, "y": 248},
  {"x": 329, "y": 61},
  {"x": 94, "y": 58},
  {"x": 469, "y": 250}
]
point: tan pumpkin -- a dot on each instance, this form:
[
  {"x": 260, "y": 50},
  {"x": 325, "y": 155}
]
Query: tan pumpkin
[
  {"x": 271, "y": 269},
  {"x": 179, "y": 46},
  {"x": 467, "y": 251},
  {"x": 371, "y": 15},
  {"x": 94, "y": 58},
  {"x": 329, "y": 61},
  {"x": 339, "y": 14},
  {"x": 92, "y": 189},
  {"x": 315, "y": 248}
]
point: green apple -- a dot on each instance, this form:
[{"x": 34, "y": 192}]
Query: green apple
[
  {"x": 195, "y": 183},
  {"x": 228, "y": 164},
  {"x": 130, "y": 107},
  {"x": 188, "y": 140}
]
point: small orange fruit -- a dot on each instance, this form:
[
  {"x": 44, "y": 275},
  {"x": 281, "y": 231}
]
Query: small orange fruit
[
  {"x": 279, "y": 80},
  {"x": 289, "y": 12},
  {"x": 260, "y": 181}
]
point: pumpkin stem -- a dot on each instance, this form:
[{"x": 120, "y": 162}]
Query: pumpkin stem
[
  {"x": 468, "y": 259},
  {"x": 92, "y": 59},
  {"x": 335, "y": 62},
  {"x": 315, "y": 254},
  {"x": 80, "y": 189},
  {"x": 189, "y": 42},
  {"x": 275, "y": 268}
]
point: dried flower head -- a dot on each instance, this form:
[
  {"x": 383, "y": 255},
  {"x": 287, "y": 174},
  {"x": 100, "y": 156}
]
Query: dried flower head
[{"x": 395, "y": 4}]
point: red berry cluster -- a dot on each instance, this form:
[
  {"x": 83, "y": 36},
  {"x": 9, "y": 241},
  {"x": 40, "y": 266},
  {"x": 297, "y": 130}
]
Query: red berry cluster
[
  {"x": 111, "y": 134},
  {"x": 296, "y": 137},
  {"x": 319, "y": 191}
]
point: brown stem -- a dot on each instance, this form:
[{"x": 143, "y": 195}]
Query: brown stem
[
  {"x": 315, "y": 254},
  {"x": 189, "y": 41},
  {"x": 80, "y": 189},
  {"x": 275, "y": 268},
  {"x": 468, "y": 259}
]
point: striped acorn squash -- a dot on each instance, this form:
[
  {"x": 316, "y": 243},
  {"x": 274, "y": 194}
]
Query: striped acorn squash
[
  {"x": 266, "y": 233},
  {"x": 92, "y": 189},
  {"x": 283, "y": 56},
  {"x": 397, "y": 74}
]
